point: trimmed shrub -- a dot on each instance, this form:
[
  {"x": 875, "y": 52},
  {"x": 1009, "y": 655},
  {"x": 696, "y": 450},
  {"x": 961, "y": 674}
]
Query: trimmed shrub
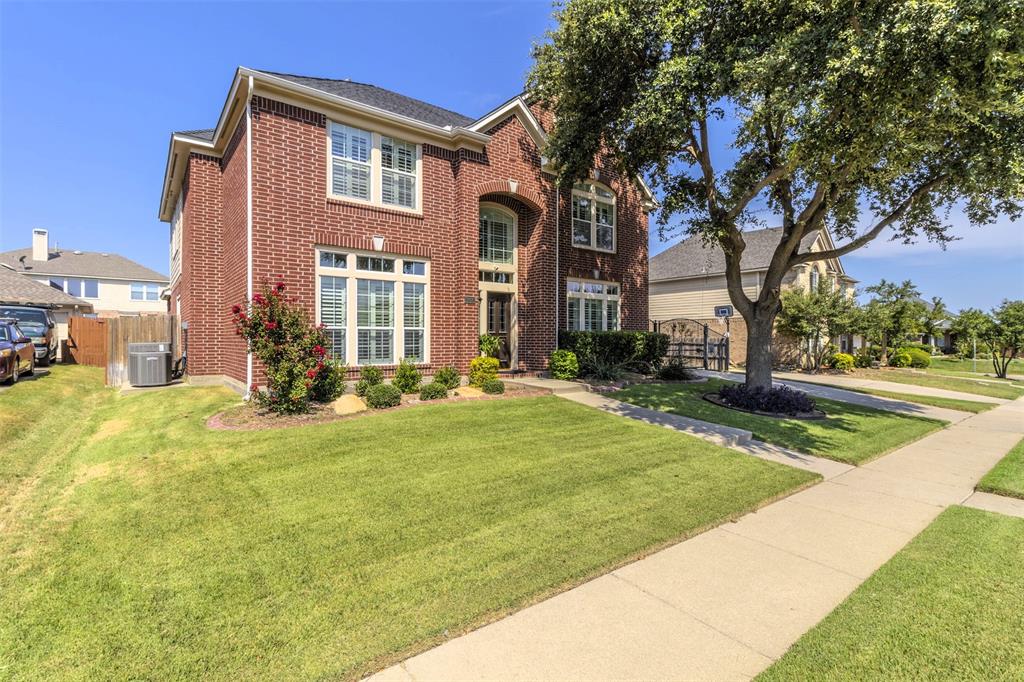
[
  {"x": 919, "y": 346},
  {"x": 675, "y": 370},
  {"x": 490, "y": 345},
  {"x": 862, "y": 359},
  {"x": 493, "y": 386},
  {"x": 842, "y": 362},
  {"x": 380, "y": 396},
  {"x": 482, "y": 369},
  {"x": 780, "y": 400},
  {"x": 435, "y": 390},
  {"x": 407, "y": 378},
  {"x": 900, "y": 358},
  {"x": 293, "y": 352},
  {"x": 918, "y": 358},
  {"x": 630, "y": 350},
  {"x": 564, "y": 365},
  {"x": 448, "y": 377},
  {"x": 370, "y": 376}
]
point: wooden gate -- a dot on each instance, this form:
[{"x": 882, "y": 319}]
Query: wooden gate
[
  {"x": 87, "y": 342},
  {"x": 694, "y": 344}
]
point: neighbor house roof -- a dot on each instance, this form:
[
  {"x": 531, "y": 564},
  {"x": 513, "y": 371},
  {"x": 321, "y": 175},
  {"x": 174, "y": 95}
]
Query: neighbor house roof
[
  {"x": 380, "y": 98},
  {"x": 81, "y": 264},
  {"x": 21, "y": 290},
  {"x": 204, "y": 134},
  {"x": 691, "y": 258}
]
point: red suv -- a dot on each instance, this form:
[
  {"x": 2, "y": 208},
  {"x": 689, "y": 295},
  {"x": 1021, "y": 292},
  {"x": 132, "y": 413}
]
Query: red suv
[{"x": 17, "y": 356}]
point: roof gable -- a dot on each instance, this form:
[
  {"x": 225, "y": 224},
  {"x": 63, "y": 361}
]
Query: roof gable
[{"x": 692, "y": 258}]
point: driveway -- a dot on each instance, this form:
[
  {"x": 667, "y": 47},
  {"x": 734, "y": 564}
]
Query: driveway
[{"x": 39, "y": 373}]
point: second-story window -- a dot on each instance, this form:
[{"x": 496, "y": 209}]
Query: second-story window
[
  {"x": 375, "y": 168},
  {"x": 350, "y": 162},
  {"x": 593, "y": 217},
  {"x": 398, "y": 172}
]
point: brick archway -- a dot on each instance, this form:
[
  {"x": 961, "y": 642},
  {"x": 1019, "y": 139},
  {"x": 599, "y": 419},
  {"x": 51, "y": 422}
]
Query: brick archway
[{"x": 530, "y": 198}]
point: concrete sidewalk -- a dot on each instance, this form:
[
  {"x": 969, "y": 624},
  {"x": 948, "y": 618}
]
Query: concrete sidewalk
[{"x": 726, "y": 603}]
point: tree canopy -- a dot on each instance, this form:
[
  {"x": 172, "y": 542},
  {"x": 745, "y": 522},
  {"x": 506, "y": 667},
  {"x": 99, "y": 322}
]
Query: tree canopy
[{"x": 861, "y": 116}]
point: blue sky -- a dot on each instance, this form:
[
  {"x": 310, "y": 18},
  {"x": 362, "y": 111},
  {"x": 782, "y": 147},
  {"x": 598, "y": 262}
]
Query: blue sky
[{"x": 89, "y": 93}]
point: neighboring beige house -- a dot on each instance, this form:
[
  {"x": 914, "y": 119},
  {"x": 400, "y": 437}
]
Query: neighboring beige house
[
  {"x": 688, "y": 281},
  {"x": 113, "y": 285},
  {"x": 16, "y": 289}
]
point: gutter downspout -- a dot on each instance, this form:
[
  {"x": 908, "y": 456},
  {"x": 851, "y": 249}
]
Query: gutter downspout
[
  {"x": 558, "y": 202},
  {"x": 248, "y": 225}
]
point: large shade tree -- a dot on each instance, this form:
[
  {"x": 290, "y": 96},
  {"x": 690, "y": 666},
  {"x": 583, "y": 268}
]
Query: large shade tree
[{"x": 870, "y": 118}]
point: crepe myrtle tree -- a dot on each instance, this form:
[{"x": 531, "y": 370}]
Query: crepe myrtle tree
[{"x": 869, "y": 118}]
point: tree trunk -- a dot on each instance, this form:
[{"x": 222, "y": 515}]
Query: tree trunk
[{"x": 759, "y": 345}]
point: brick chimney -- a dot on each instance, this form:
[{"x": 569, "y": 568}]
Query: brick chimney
[{"x": 40, "y": 245}]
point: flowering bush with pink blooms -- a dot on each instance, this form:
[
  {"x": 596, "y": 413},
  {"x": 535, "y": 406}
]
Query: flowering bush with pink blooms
[{"x": 292, "y": 350}]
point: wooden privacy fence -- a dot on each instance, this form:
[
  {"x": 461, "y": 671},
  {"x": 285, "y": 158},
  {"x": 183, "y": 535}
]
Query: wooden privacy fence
[{"x": 104, "y": 343}]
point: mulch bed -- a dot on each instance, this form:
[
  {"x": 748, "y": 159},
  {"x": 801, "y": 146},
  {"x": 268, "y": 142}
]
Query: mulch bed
[
  {"x": 716, "y": 399},
  {"x": 251, "y": 418}
]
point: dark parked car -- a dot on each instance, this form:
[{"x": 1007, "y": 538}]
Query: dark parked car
[
  {"x": 17, "y": 356},
  {"x": 39, "y": 326}
]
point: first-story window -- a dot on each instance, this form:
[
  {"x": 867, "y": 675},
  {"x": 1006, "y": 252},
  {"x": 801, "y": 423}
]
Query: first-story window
[
  {"x": 375, "y": 321},
  {"x": 333, "y": 305},
  {"x": 415, "y": 320},
  {"x": 592, "y": 306},
  {"x": 374, "y": 307}
]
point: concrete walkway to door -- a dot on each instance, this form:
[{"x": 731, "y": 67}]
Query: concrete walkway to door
[{"x": 728, "y": 602}]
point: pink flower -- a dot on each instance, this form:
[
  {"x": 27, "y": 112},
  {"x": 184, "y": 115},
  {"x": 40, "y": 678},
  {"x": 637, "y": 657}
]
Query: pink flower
[
  {"x": 254, "y": 387},
  {"x": 271, "y": 326},
  {"x": 279, "y": 287},
  {"x": 319, "y": 351},
  {"x": 311, "y": 373},
  {"x": 236, "y": 309},
  {"x": 259, "y": 299}
]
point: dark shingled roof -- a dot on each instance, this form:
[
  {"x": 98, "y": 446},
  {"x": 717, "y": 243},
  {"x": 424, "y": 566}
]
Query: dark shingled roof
[
  {"x": 83, "y": 264},
  {"x": 18, "y": 289},
  {"x": 690, "y": 257},
  {"x": 204, "y": 134},
  {"x": 381, "y": 99}
]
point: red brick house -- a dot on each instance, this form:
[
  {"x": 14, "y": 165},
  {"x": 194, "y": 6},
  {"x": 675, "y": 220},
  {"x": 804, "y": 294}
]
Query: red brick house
[{"x": 408, "y": 230}]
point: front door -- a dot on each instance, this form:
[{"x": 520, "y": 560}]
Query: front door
[{"x": 499, "y": 323}]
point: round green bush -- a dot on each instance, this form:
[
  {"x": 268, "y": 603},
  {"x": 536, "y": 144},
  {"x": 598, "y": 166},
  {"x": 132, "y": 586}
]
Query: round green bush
[
  {"x": 435, "y": 390},
  {"x": 448, "y": 377},
  {"x": 899, "y": 358},
  {"x": 918, "y": 358},
  {"x": 368, "y": 377},
  {"x": 564, "y": 365},
  {"x": 493, "y": 386},
  {"x": 482, "y": 369},
  {"x": 407, "y": 377},
  {"x": 380, "y": 396},
  {"x": 842, "y": 362}
]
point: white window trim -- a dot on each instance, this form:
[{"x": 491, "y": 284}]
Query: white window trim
[
  {"x": 376, "y": 170},
  {"x": 64, "y": 286},
  {"x": 593, "y": 197},
  {"x": 145, "y": 287},
  {"x": 512, "y": 267},
  {"x": 351, "y": 274},
  {"x": 604, "y": 297}
]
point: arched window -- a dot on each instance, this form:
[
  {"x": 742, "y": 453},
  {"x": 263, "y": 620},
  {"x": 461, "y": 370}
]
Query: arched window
[
  {"x": 593, "y": 216},
  {"x": 497, "y": 235}
]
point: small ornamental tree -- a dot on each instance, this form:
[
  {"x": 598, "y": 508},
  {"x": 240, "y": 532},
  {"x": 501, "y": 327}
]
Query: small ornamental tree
[
  {"x": 817, "y": 318},
  {"x": 1005, "y": 336},
  {"x": 968, "y": 327},
  {"x": 293, "y": 351},
  {"x": 893, "y": 314}
]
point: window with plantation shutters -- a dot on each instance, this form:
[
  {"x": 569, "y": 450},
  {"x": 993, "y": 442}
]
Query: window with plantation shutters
[
  {"x": 375, "y": 320},
  {"x": 415, "y": 320},
  {"x": 333, "y": 295},
  {"x": 398, "y": 172},
  {"x": 350, "y": 162},
  {"x": 592, "y": 306}
]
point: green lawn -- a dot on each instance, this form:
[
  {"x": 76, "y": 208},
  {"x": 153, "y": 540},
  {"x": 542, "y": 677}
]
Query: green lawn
[
  {"x": 851, "y": 433},
  {"x": 976, "y": 386},
  {"x": 1007, "y": 477},
  {"x": 135, "y": 543},
  {"x": 955, "y": 365},
  {"x": 949, "y": 606},
  {"x": 948, "y": 403}
]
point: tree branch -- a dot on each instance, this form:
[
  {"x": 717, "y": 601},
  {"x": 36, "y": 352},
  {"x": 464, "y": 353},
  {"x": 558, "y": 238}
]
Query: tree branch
[
  {"x": 710, "y": 190},
  {"x": 776, "y": 174},
  {"x": 868, "y": 236}
]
